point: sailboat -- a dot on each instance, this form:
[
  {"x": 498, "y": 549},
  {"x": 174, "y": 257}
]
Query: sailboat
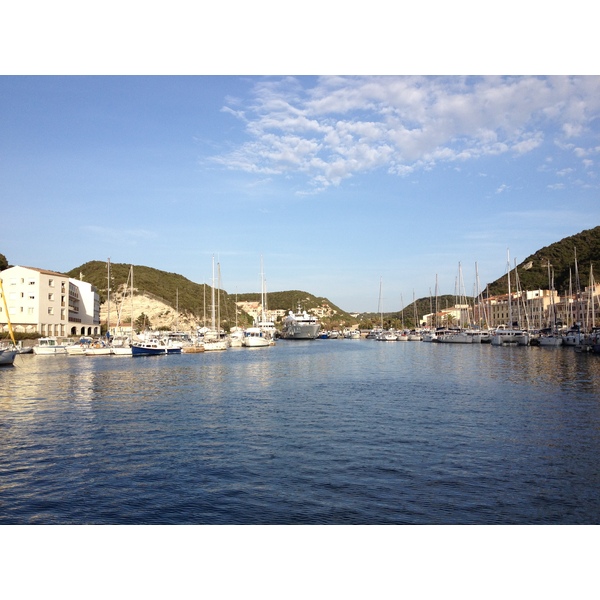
[
  {"x": 377, "y": 331},
  {"x": 551, "y": 338},
  {"x": 504, "y": 336},
  {"x": 431, "y": 335},
  {"x": 212, "y": 338},
  {"x": 7, "y": 354},
  {"x": 263, "y": 332},
  {"x": 121, "y": 344},
  {"x": 236, "y": 335},
  {"x": 415, "y": 334},
  {"x": 101, "y": 347}
]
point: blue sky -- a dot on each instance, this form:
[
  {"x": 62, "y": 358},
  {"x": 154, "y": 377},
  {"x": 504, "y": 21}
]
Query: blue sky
[{"x": 337, "y": 182}]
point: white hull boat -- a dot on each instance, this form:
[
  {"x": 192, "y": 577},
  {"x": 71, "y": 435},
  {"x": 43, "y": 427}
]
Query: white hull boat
[
  {"x": 50, "y": 345},
  {"x": 550, "y": 341},
  {"x": 300, "y": 326},
  {"x": 254, "y": 337}
]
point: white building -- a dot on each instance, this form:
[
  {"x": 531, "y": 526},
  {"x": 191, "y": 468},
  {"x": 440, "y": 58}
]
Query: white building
[{"x": 49, "y": 303}]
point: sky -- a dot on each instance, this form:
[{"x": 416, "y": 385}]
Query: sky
[{"x": 340, "y": 184}]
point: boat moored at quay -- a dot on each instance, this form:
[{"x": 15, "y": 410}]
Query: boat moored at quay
[
  {"x": 51, "y": 345},
  {"x": 509, "y": 337},
  {"x": 300, "y": 326},
  {"x": 7, "y": 355}
]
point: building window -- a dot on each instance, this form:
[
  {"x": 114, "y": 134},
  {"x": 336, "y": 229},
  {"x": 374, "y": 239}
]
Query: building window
[
  {"x": 51, "y": 282},
  {"x": 50, "y": 310},
  {"x": 31, "y": 297},
  {"x": 32, "y": 282},
  {"x": 51, "y": 297},
  {"x": 30, "y": 310}
]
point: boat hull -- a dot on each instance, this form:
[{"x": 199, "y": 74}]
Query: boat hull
[
  {"x": 49, "y": 351},
  {"x": 122, "y": 351},
  {"x": 301, "y": 332},
  {"x": 98, "y": 351},
  {"x": 75, "y": 350},
  {"x": 215, "y": 346},
  {"x": 7, "y": 356},
  {"x": 550, "y": 342}
]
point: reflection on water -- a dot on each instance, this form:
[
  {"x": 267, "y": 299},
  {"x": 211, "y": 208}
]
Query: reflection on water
[{"x": 329, "y": 431}]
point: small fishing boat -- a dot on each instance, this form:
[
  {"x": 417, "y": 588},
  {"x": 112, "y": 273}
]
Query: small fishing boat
[{"x": 148, "y": 348}]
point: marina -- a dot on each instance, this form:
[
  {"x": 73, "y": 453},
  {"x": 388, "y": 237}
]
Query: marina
[{"x": 306, "y": 432}]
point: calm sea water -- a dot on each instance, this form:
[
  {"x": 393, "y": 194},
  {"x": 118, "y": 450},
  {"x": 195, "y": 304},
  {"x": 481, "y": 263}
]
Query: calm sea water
[{"x": 319, "y": 432}]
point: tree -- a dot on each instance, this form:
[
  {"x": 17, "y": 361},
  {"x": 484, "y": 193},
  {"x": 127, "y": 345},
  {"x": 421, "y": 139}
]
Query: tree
[
  {"x": 3, "y": 262},
  {"x": 142, "y": 323}
]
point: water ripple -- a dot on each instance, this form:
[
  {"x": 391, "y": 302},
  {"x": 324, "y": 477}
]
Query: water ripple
[{"x": 326, "y": 432}]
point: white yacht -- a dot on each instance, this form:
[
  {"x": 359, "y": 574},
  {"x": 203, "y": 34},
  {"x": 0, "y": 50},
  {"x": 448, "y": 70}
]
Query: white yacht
[{"x": 300, "y": 326}]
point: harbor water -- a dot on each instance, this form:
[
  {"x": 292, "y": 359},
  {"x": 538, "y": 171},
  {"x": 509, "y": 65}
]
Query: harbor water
[{"x": 304, "y": 432}]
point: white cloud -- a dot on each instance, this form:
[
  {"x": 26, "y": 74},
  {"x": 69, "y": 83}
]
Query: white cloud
[
  {"x": 564, "y": 172},
  {"x": 332, "y": 128}
]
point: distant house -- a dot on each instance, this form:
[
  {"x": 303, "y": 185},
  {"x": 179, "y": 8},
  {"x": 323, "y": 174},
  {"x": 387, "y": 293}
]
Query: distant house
[{"x": 49, "y": 303}]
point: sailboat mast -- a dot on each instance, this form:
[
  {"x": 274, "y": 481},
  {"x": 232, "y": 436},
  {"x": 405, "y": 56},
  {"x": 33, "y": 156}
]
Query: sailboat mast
[
  {"x": 219, "y": 300},
  {"x": 10, "y": 329},
  {"x": 436, "y": 301},
  {"x": 415, "y": 315},
  {"x": 262, "y": 290},
  {"x": 108, "y": 298},
  {"x": 380, "y": 307},
  {"x": 510, "y": 317},
  {"x": 131, "y": 298},
  {"x": 212, "y": 322}
]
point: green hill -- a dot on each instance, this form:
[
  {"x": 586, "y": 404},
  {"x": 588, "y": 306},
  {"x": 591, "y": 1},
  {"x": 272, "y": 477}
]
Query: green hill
[
  {"x": 171, "y": 288},
  {"x": 193, "y": 298},
  {"x": 561, "y": 255}
]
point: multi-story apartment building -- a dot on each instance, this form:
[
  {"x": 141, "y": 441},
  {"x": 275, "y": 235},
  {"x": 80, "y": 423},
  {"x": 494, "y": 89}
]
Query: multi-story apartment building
[
  {"x": 525, "y": 309},
  {"x": 453, "y": 316},
  {"x": 49, "y": 303},
  {"x": 538, "y": 309}
]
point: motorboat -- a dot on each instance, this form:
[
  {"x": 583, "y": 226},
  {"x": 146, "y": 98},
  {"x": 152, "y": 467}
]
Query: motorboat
[
  {"x": 509, "y": 337},
  {"x": 50, "y": 345},
  {"x": 151, "y": 347},
  {"x": 255, "y": 337}
]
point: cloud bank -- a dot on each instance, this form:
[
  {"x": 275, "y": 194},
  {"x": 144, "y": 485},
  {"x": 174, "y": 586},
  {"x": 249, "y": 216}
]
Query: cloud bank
[{"x": 328, "y": 129}]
